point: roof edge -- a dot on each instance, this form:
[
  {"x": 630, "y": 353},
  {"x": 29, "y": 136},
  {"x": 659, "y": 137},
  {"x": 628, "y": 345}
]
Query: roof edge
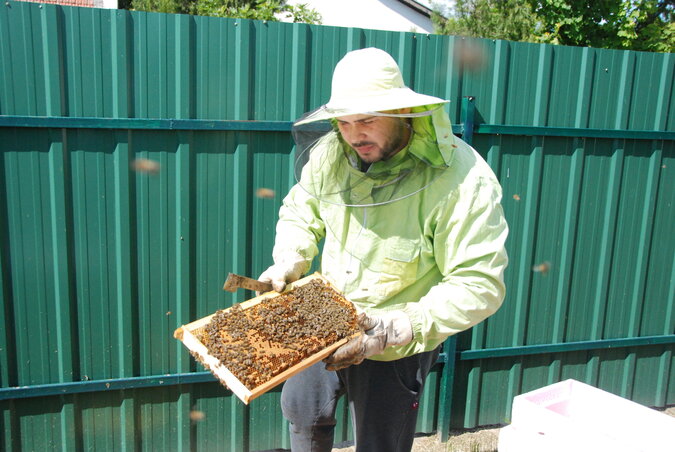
[{"x": 417, "y": 7}]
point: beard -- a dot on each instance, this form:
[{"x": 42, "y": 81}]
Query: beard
[{"x": 398, "y": 140}]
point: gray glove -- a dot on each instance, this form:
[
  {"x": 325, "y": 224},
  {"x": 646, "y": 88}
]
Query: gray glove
[
  {"x": 287, "y": 268},
  {"x": 380, "y": 331}
]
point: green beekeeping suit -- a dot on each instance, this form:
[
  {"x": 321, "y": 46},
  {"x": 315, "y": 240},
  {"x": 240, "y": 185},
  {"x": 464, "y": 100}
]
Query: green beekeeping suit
[{"x": 422, "y": 232}]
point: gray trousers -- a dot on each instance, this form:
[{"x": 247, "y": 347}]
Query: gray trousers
[{"x": 383, "y": 401}]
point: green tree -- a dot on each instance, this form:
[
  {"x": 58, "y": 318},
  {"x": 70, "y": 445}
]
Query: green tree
[
  {"x": 494, "y": 19},
  {"x": 646, "y": 25},
  {"x": 616, "y": 24},
  {"x": 159, "y": 6},
  {"x": 246, "y": 9}
]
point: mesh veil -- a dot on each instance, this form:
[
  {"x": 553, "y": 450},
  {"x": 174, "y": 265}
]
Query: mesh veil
[{"x": 329, "y": 170}]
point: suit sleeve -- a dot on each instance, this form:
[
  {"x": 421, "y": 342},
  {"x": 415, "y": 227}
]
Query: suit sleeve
[{"x": 469, "y": 250}]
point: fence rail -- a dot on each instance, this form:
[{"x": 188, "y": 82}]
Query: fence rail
[{"x": 67, "y": 122}]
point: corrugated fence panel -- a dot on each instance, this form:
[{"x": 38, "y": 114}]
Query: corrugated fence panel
[
  {"x": 658, "y": 314},
  {"x": 589, "y": 213},
  {"x": 99, "y": 264}
]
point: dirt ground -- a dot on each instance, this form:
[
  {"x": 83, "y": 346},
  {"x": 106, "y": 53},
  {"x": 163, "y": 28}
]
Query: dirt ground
[{"x": 475, "y": 440}]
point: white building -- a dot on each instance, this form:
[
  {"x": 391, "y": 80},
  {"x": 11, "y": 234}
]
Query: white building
[{"x": 391, "y": 15}]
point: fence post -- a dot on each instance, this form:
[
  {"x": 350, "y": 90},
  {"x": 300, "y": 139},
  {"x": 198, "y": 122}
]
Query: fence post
[
  {"x": 447, "y": 379},
  {"x": 467, "y": 118}
]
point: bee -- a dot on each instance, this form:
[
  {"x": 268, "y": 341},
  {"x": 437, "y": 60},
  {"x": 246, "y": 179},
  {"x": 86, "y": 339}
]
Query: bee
[
  {"x": 265, "y": 193},
  {"x": 141, "y": 165},
  {"x": 542, "y": 268}
]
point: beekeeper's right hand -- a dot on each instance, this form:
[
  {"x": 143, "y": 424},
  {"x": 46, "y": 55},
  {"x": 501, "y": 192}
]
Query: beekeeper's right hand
[{"x": 287, "y": 268}]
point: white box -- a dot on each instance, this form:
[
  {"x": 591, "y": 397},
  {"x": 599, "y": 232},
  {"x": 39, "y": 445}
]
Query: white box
[
  {"x": 575, "y": 416},
  {"x": 515, "y": 439}
]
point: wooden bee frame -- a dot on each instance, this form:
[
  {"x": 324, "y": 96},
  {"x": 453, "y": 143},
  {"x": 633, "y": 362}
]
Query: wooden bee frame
[{"x": 189, "y": 336}]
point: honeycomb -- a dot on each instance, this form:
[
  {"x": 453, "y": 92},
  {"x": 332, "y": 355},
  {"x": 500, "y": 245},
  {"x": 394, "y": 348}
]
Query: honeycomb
[{"x": 260, "y": 342}]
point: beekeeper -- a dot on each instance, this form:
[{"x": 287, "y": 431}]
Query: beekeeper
[{"x": 413, "y": 234}]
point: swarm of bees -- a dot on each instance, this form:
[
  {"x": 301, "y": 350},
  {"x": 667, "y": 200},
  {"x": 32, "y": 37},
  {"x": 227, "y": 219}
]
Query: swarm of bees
[{"x": 259, "y": 343}]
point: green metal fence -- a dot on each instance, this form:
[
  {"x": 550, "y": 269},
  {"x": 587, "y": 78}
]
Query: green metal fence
[{"x": 99, "y": 264}]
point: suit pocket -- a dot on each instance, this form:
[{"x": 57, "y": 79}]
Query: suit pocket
[{"x": 399, "y": 266}]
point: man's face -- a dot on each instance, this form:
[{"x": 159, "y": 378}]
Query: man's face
[{"x": 374, "y": 138}]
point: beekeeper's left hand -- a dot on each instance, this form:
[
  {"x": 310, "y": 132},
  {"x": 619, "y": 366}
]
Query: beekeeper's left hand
[{"x": 379, "y": 332}]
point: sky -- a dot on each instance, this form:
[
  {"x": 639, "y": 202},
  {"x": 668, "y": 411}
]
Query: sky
[{"x": 430, "y": 3}]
